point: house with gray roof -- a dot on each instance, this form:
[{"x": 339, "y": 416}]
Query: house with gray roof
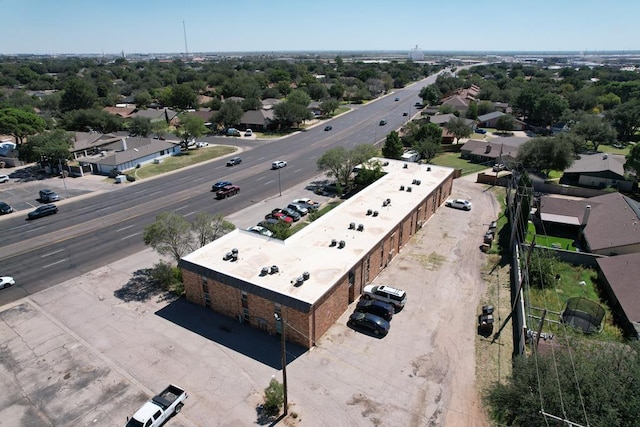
[
  {"x": 157, "y": 114},
  {"x": 260, "y": 120},
  {"x": 490, "y": 120},
  {"x": 88, "y": 143},
  {"x": 599, "y": 170},
  {"x": 129, "y": 152},
  {"x": 490, "y": 150}
]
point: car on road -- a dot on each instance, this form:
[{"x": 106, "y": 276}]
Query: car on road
[
  {"x": 328, "y": 128},
  {"x": 220, "y": 185},
  {"x": 234, "y": 161},
  {"x": 47, "y": 196},
  {"x": 4, "y": 178},
  {"x": 260, "y": 230},
  {"x": 301, "y": 209},
  {"x": 227, "y": 191},
  {"x": 481, "y": 131},
  {"x": 5, "y": 208},
  {"x": 383, "y": 122},
  {"x": 397, "y": 99},
  {"x": 6, "y": 281},
  {"x": 311, "y": 205},
  {"x": 463, "y": 204},
  {"x": 405, "y": 114},
  {"x": 379, "y": 308},
  {"x": 43, "y": 210},
  {"x": 394, "y": 296},
  {"x": 278, "y": 164},
  {"x": 369, "y": 323}
]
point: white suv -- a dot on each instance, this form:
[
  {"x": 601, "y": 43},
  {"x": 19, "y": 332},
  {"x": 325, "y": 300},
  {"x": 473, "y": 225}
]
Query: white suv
[
  {"x": 393, "y": 296},
  {"x": 278, "y": 164}
]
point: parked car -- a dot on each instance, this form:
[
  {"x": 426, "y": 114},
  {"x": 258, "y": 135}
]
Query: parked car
[
  {"x": 43, "y": 210},
  {"x": 47, "y": 196},
  {"x": 234, "y": 161},
  {"x": 481, "y": 131},
  {"x": 220, "y": 185},
  {"x": 6, "y": 281},
  {"x": 369, "y": 322},
  {"x": 311, "y": 205},
  {"x": 388, "y": 294},
  {"x": 227, "y": 191},
  {"x": 232, "y": 132},
  {"x": 292, "y": 213},
  {"x": 202, "y": 144},
  {"x": 248, "y": 132},
  {"x": 383, "y": 122},
  {"x": 301, "y": 209},
  {"x": 459, "y": 204},
  {"x": 278, "y": 164},
  {"x": 160, "y": 408},
  {"x": 379, "y": 308},
  {"x": 279, "y": 216},
  {"x": 499, "y": 167},
  {"x": 4, "y": 178},
  {"x": 269, "y": 224},
  {"x": 260, "y": 230},
  {"x": 328, "y": 128},
  {"x": 5, "y": 208}
]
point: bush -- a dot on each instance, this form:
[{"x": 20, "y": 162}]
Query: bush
[
  {"x": 273, "y": 397},
  {"x": 167, "y": 276}
]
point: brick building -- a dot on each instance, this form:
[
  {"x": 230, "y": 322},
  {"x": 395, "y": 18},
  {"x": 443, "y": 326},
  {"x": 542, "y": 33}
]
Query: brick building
[{"x": 310, "y": 279}]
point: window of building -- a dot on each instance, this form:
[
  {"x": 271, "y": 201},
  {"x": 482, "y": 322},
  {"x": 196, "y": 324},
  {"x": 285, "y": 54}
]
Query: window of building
[
  {"x": 367, "y": 264},
  {"x": 245, "y": 307}
]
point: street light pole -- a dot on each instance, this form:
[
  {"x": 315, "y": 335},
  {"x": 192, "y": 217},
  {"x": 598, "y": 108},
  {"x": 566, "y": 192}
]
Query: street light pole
[
  {"x": 283, "y": 350},
  {"x": 279, "y": 186}
]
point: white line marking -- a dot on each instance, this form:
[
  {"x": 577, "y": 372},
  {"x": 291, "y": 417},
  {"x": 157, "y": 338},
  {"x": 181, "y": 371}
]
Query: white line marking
[
  {"x": 52, "y": 253},
  {"x": 124, "y": 228},
  {"x": 180, "y": 208},
  {"x": 269, "y": 182},
  {"x": 260, "y": 178},
  {"x": 51, "y": 265},
  {"x": 34, "y": 229},
  {"x": 190, "y": 213},
  {"x": 198, "y": 179},
  {"x": 297, "y": 170},
  {"x": 151, "y": 194},
  {"x": 129, "y": 236}
]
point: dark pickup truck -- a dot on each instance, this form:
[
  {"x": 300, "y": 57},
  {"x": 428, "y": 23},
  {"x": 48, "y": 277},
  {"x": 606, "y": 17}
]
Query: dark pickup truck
[{"x": 227, "y": 191}]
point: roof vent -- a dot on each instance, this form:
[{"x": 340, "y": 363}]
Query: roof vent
[
  {"x": 352, "y": 226},
  {"x": 418, "y": 182},
  {"x": 227, "y": 256},
  {"x": 369, "y": 211},
  {"x": 341, "y": 244},
  {"x": 264, "y": 271},
  {"x": 375, "y": 213},
  {"x": 384, "y": 203},
  {"x": 360, "y": 227},
  {"x": 408, "y": 189},
  {"x": 334, "y": 242},
  {"x": 306, "y": 275},
  {"x": 274, "y": 269},
  {"x": 402, "y": 188},
  {"x": 428, "y": 168}
]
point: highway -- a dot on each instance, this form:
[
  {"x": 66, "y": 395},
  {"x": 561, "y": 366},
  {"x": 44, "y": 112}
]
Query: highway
[{"x": 93, "y": 231}]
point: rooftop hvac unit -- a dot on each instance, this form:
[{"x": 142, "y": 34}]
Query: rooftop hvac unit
[
  {"x": 299, "y": 281},
  {"x": 341, "y": 244},
  {"x": 418, "y": 182},
  {"x": 384, "y": 203},
  {"x": 369, "y": 211},
  {"x": 227, "y": 256},
  {"x": 428, "y": 168},
  {"x": 375, "y": 213},
  {"x": 360, "y": 227},
  {"x": 405, "y": 166},
  {"x": 274, "y": 269},
  {"x": 408, "y": 189},
  {"x": 264, "y": 271},
  {"x": 352, "y": 226},
  {"x": 306, "y": 275},
  {"x": 334, "y": 242},
  {"x": 402, "y": 188}
]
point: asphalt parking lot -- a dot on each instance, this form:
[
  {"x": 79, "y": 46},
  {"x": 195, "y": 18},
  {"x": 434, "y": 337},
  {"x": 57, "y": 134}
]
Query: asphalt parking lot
[{"x": 91, "y": 350}]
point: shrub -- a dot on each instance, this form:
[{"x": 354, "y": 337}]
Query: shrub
[
  {"x": 273, "y": 397},
  {"x": 166, "y": 275}
]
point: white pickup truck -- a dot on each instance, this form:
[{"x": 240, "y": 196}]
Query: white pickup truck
[{"x": 156, "y": 411}]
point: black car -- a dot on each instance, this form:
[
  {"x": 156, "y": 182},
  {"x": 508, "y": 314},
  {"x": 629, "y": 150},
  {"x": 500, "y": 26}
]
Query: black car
[
  {"x": 328, "y": 128},
  {"x": 43, "y": 210},
  {"x": 379, "y": 308},
  {"x": 369, "y": 323},
  {"x": 220, "y": 185},
  {"x": 5, "y": 208},
  {"x": 234, "y": 161}
]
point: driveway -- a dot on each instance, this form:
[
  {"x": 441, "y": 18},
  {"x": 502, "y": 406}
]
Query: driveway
[{"x": 91, "y": 350}]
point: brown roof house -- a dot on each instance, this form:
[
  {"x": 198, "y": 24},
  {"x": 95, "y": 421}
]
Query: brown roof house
[
  {"x": 124, "y": 111},
  {"x": 129, "y": 152},
  {"x": 260, "y": 120},
  {"x": 599, "y": 170},
  {"x": 89, "y": 143},
  {"x": 490, "y": 150}
]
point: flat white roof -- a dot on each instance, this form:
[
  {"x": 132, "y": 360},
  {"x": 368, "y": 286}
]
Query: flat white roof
[{"x": 309, "y": 250}]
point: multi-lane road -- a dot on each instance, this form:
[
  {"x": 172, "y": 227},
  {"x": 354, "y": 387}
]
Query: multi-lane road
[{"x": 93, "y": 231}]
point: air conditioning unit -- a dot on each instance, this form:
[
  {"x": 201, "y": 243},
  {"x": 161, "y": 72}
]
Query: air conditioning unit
[{"x": 341, "y": 244}]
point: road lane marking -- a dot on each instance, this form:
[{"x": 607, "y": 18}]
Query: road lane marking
[
  {"x": 269, "y": 182},
  {"x": 260, "y": 178},
  {"x": 52, "y": 253},
  {"x": 297, "y": 170},
  {"x": 181, "y": 207},
  {"x": 190, "y": 213},
  {"x": 129, "y": 236},
  {"x": 34, "y": 229},
  {"x": 124, "y": 228},
  {"x": 52, "y": 264},
  {"x": 199, "y": 179}
]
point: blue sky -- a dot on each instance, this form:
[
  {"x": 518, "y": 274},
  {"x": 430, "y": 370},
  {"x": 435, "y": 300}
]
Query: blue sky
[{"x": 154, "y": 26}]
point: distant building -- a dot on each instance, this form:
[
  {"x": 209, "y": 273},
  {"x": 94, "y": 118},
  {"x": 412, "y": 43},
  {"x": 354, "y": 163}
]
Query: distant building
[{"x": 416, "y": 54}]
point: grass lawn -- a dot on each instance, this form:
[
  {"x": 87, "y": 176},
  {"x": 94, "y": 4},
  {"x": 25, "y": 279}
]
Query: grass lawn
[
  {"x": 453, "y": 160},
  {"x": 185, "y": 159},
  {"x": 610, "y": 149},
  {"x": 549, "y": 241}
]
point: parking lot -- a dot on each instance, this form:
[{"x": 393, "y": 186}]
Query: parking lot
[{"x": 91, "y": 350}]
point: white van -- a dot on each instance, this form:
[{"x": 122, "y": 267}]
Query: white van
[{"x": 248, "y": 132}]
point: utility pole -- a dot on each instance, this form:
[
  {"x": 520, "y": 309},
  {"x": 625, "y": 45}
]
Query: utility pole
[{"x": 283, "y": 350}]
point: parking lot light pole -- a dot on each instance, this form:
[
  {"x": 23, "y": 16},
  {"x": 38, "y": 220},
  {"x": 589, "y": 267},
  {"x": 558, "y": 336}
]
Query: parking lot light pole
[
  {"x": 283, "y": 350},
  {"x": 279, "y": 185}
]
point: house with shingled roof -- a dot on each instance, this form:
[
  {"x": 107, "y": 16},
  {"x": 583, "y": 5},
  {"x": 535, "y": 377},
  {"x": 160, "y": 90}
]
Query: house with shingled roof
[{"x": 599, "y": 170}]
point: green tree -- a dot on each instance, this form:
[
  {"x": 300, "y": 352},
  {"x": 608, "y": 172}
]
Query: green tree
[
  {"x": 625, "y": 119},
  {"x": 299, "y": 97},
  {"x": 546, "y": 154},
  {"x": 549, "y": 108},
  {"x": 429, "y": 94},
  {"x": 78, "y": 95},
  {"x": 190, "y": 128},
  {"x": 159, "y": 128},
  {"x": 485, "y": 107},
  {"x": 328, "y": 106},
  {"x": 229, "y": 114},
  {"x": 273, "y": 398},
  {"x": 53, "y": 147},
  {"x": 339, "y": 162},
  {"x": 208, "y": 227},
  {"x": 595, "y": 130},
  {"x": 505, "y": 123},
  {"x": 20, "y": 124},
  {"x": 165, "y": 275},
  {"x": 169, "y": 235},
  {"x": 142, "y": 99},
  {"x": 392, "y": 148},
  {"x": 427, "y": 148},
  {"x": 472, "y": 111},
  {"x": 183, "y": 97},
  {"x": 290, "y": 114},
  {"x": 140, "y": 126},
  {"x": 88, "y": 120},
  {"x": 609, "y": 100},
  {"x": 633, "y": 159},
  {"x": 459, "y": 128}
]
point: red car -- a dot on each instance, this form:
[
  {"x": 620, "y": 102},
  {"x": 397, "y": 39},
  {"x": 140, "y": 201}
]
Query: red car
[{"x": 279, "y": 216}]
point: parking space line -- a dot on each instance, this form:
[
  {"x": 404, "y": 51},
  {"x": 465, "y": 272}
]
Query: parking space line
[{"x": 52, "y": 253}]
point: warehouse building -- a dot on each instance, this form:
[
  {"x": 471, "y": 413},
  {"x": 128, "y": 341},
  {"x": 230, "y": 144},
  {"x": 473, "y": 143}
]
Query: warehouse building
[{"x": 310, "y": 279}]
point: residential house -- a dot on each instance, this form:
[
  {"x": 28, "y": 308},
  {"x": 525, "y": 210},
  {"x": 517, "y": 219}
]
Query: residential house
[
  {"x": 260, "y": 120},
  {"x": 490, "y": 120},
  {"x": 457, "y": 102},
  {"x": 124, "y": 111},
  {"x": 166, "y": 114},
  {"x": 490, "y": 151},
  {"x": 90, "y": 143},
  {"x": 442, "y": 120},
  {"x": 128, "y": 153},
  {"x": 599, "y": 170}
]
